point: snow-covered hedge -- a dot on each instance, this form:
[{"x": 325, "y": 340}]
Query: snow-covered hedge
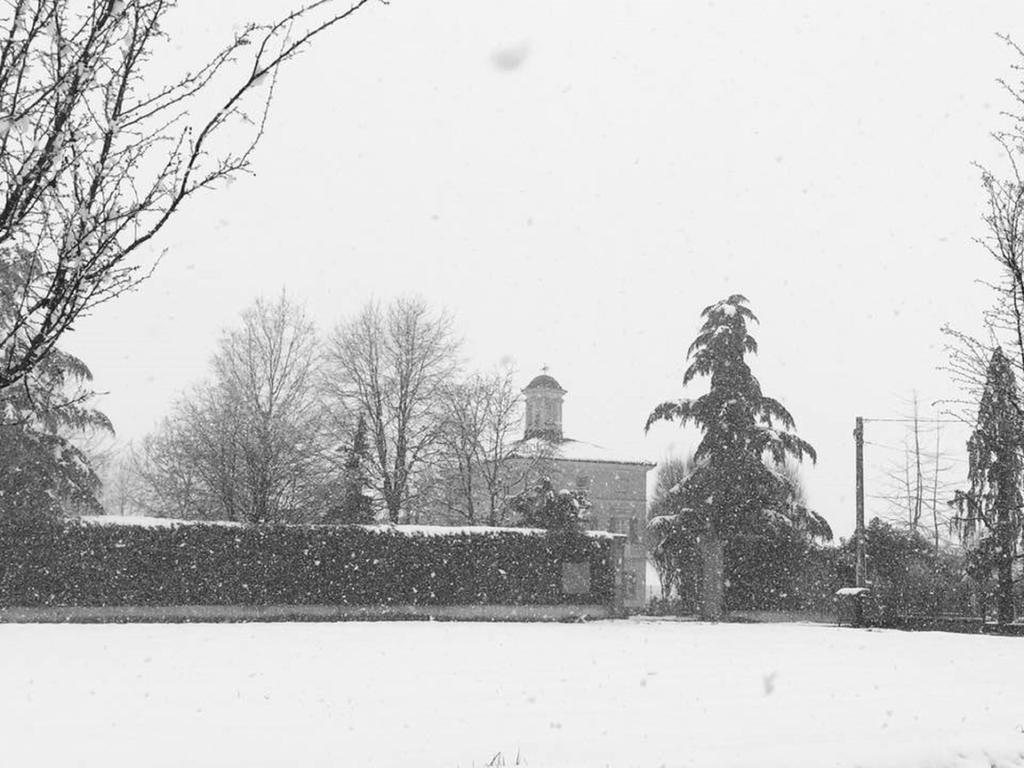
[{"x": 72, "y": 563}]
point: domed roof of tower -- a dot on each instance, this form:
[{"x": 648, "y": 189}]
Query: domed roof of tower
[{"x": 544, "y": 382}]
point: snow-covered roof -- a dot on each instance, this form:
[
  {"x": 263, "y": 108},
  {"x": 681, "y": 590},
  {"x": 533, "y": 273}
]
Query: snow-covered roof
[{"x": 574, "y": 450}]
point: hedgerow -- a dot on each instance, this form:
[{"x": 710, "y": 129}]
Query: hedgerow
[{"x": 72, "y": 563}]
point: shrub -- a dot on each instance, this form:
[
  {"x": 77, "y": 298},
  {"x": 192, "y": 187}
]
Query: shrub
[
  {"x": 779, "y": 570},
  {"x": 67, "y": 563},
  {"x": 544, "y": 506},
  {"x": 907, "y": 577}
]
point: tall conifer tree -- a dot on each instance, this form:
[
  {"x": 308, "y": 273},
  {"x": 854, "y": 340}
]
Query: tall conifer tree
[
  {"x": 356, "y": 506},
  {"x": 737, "y": 483},
  {"x": 989, "y": 513}
]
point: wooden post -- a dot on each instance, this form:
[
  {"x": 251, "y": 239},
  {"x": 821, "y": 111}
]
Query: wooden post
[{"x": 858, "y": 435}]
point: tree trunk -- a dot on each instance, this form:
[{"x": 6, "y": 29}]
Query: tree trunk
[
  {"x": 392, "y": 501},
  {"x": 711, "y": 600},
  {"x": 1005, "y": 535},
  {"x": 1004, "y": 598}
]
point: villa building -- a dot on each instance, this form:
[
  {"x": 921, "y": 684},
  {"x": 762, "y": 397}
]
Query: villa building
[{"x": 615, "y": 484}]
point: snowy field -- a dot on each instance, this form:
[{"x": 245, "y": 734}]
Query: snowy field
[{"x": 419, "y": 695}]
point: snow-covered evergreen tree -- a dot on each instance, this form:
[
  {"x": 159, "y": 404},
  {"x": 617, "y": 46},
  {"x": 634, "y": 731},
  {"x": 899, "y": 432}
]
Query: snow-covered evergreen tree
[
  {"x": 670, "y": 544},
  {"x": 989, "y": 513},
  {"x": 42, "y": 470},
  {"x": 738, "y": 482}
]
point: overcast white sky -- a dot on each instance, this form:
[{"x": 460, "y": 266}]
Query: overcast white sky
[{"x": 642, "y": 161}]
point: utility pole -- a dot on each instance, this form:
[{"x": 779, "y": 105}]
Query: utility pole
[{"x": 858, "y": 436}]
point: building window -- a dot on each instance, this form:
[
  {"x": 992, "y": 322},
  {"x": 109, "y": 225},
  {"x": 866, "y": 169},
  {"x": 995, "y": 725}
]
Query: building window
[
  {"x": 613, "y": 525},
  {"x": 583, "y": 482},
  {"x": 634, "y": 530}
]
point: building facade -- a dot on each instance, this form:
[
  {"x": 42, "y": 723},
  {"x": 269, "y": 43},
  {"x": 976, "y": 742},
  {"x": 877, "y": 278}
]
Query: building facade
[{"x": 616, "y": 485}]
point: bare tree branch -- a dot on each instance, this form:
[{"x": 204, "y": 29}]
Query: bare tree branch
[{"x": 95, "y": 158}]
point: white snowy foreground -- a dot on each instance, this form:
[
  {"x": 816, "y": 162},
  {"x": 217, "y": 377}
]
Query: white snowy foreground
[{"x": 420, "y": 695}]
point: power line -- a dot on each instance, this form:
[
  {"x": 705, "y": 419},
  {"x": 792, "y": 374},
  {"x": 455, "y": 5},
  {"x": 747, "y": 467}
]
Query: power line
[{"x": 923, "y": 421}]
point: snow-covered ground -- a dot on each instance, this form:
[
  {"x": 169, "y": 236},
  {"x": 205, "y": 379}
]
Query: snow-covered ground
[{"x": 417, "y": 694}]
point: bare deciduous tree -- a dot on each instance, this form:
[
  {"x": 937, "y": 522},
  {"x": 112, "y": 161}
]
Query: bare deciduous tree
[
  {"x": 479, "y": 440},
  {"x": 251, "y": 444},
  {"x": 267, "y": 370},
  {"x": 392, "y": 365},
  {"x": 969, "y": 356},
  {"x": 123, "y": 490},
  {"x": 170, "y": 473},
  {"x": 918, "y": 478},
  {"x": 96, "y": 157}
]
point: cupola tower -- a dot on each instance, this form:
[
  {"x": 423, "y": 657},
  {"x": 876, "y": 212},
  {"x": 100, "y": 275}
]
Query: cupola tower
[{"x": 544, "y": 408}]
